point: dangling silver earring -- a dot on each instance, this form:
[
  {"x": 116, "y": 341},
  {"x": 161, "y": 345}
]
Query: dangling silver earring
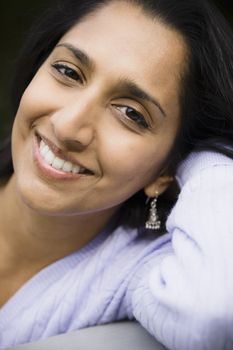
[{"x": 153, "y": 222}]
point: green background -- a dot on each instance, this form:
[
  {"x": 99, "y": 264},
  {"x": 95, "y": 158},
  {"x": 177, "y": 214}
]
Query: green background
[{"x": 16, "y": 17}]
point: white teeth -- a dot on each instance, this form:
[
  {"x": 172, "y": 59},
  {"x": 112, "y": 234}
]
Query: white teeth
[
  {"x": 67, "y": 166},
  {"x": 56, "y": 162},
  {"x": 44, "y": 150},
  {"x": 49, "y": 157},
  {"x": 42, "y": 144},
  {"x": 76, "y": 169}
]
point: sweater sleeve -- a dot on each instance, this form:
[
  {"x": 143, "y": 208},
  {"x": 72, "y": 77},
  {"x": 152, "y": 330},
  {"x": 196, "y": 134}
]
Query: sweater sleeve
[{"x": 183, "y": 295}]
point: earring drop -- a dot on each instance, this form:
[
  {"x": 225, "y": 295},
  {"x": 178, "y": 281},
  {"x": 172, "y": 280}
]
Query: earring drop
[{"x": 153, "y": 222}]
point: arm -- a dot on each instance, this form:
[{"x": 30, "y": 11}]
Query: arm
[{"x": 184, "y": 296}]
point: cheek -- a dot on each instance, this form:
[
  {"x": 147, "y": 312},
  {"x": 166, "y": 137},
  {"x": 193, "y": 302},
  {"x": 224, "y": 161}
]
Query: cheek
[
  {"x": 22, "y": 124},
  {"x": 130, "y": 159},
  {"x": 39, "y": 98},
  {"x": 27, "y": 113},
  {"x": 136, "y": 160}
]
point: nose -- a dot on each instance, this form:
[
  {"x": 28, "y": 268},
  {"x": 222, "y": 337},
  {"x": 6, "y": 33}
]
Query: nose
[{"x": 74, "y": 123}]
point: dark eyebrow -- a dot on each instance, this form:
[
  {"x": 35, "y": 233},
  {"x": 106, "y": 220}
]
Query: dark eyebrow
[
  {"x": 134, "y": 90},
  {"x": 125, "y": 84},
  {"x": 79, "y": 54}
]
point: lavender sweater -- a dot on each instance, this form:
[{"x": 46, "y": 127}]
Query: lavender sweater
[{"x": 179, "y": 286}]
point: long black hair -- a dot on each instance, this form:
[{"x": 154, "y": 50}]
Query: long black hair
[{"x": 207, "y": 85}]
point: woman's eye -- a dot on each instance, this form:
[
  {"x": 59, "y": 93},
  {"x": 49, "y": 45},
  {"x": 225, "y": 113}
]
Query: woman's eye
[
  {"x": 134, "y": 116},
  {"x": 67, "y": 72}
]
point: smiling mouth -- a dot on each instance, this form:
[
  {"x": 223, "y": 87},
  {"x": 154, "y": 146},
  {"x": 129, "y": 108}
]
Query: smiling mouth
[{"x": 49, "y": 153}]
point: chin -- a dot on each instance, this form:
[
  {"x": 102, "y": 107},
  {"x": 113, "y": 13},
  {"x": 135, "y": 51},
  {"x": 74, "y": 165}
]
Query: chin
[{"x": 38, "y": 199}]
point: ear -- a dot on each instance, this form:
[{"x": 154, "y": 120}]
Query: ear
[{"x": 158, "y": 186}]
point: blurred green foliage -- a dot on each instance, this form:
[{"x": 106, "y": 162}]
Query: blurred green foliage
[{"x": 15, "y": 18}]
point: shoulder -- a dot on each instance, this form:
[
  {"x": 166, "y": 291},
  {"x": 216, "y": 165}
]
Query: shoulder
[{"x": 198, "y": 163}]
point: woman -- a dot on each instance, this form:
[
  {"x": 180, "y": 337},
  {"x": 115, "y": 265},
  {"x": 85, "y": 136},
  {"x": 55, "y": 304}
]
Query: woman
[{"x": 113, "y": 99}]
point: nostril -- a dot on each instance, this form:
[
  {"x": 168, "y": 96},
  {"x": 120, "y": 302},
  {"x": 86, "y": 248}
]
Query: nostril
[{"x": 74, "y": 126}]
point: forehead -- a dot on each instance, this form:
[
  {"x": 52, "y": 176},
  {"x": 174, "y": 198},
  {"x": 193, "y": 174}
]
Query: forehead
[{"x": 122, "y": 40}]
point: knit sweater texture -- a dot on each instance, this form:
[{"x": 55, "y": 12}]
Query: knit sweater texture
[{"x": 178, "y": 286}]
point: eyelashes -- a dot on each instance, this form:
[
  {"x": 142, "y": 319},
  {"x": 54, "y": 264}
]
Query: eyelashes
[
  {"x": 130, "y": 114},
  {"x": 134, "y": 116},
  {"x": 67, "y": 72}
]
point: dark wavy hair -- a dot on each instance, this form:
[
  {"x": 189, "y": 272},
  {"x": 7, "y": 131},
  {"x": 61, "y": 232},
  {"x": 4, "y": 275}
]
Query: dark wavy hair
[{"x": 207, "y": 84}]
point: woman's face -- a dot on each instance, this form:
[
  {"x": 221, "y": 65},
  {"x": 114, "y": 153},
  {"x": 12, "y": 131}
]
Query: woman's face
[{"x": 103, "y": 109}]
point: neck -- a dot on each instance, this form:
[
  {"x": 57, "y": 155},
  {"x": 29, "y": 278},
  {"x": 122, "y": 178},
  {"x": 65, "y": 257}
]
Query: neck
[{"x": 28, "y": 237}]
